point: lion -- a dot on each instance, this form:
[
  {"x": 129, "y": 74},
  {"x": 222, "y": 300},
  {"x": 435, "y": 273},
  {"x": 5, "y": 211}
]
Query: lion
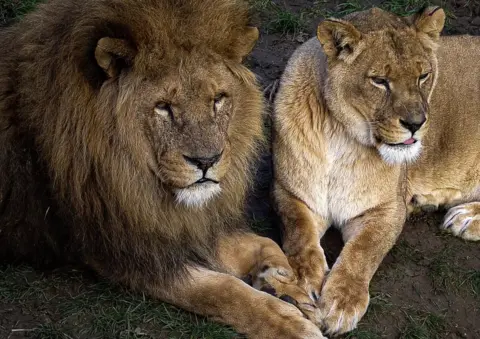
[
  {"x": 375, "y": 117},
  {"x": 129, "y": 131}
]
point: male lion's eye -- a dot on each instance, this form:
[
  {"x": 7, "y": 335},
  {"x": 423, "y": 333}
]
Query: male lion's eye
[
  {"x": 423, "y": 77},
  {"x": 164, "y": 109},
  {"x": 219, "y": 97},
  {"x": 379, "y": 81},
  {"x": 218, "y": 101}
]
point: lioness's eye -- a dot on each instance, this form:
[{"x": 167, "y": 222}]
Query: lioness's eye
[
  {"x": 423, "y": 77},
  {"x": 164, "y": 109},
  {"x": 379, "y": 81}
]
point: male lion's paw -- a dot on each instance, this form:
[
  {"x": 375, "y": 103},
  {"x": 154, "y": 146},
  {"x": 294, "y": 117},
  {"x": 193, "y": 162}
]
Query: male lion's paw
[
  {"x": 282, "y": 283},
  {"x": 464, "y": 221},
  {"x": 310, "y": 266},
  {"x": 294, "y": 328},
  {"x": 342, "y": 304}
]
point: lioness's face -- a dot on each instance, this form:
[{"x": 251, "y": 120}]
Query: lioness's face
[
  {"x": 380, "y": 87},
  {"x": 186, "y": 112}
]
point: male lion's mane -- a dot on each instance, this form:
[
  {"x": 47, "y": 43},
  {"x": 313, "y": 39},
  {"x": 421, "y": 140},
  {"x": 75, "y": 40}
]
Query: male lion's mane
[{"x": 69, "y": 186}]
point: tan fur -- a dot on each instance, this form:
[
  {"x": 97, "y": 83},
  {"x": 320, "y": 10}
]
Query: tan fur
[
  {"x": 349, "y": 103},
  {"x": 111, "y": 111}
]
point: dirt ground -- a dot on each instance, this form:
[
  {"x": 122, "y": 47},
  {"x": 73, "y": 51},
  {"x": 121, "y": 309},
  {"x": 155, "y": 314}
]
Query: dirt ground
[{"x": 427, "y": 287}]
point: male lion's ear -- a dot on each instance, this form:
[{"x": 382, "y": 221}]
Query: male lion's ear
[
  {"x": 113, "y": 54},
  {"x": 338, "y": 37},
  {"x": 430, "y": 21},
  {"x": 245, "y": 42}
]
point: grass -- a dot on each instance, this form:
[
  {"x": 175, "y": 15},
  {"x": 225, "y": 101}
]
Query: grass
[
  {"x": 403, "y": 252},
  {"x": 423, "y": 325},
  {"x": 399, "y": 7},
  {"x": 472, "y": 280},
  {"x": 89, "y": 309},
  {"x": 280, "y": 19},
  {"x": 15, "y": 9},
  {"x": 363, "y": 334}
]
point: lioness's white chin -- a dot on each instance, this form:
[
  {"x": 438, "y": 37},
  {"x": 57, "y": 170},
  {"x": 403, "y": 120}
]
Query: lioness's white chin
[
  {"x": 198, "y": 194},
  {"x": 401, "y": 153}
]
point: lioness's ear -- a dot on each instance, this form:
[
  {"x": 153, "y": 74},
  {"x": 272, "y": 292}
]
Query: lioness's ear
[
  {"x": 113, "y": 55},
  {"x": 244, "y": 43},
  {"x": 430, "y": 21},
  {"x": 338, "y": 38}
]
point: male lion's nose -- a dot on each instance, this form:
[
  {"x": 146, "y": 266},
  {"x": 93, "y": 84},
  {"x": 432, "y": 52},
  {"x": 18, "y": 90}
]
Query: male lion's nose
[
  {"x": 204, "y": 163},
  {"x": 414, "y": 123}
]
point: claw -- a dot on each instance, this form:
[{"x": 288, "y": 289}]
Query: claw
[
  {"x": 313, "y": 295},
  {"x": 465, "y": 225},
  {"x": 289, "y": 299},
  {"x": 449, "y": 218},
  {"x": 269, "y": 289}
]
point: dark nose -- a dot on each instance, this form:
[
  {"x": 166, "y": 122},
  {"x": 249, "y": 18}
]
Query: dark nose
[
  {"x": 413, "y": 124},
  {"x": 204, "y": 163}
]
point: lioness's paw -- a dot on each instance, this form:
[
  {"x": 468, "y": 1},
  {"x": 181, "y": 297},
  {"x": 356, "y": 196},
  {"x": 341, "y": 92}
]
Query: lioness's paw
[
  {"x": 282, "y": 283},
  {"x": 310, "y": 267},
  {"x": 464, "y": 221},
  {"x": 342, "y": 304}
]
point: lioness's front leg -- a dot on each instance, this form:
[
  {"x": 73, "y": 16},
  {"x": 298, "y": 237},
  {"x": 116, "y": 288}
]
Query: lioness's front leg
[
  {"x": 301, "y": 241},
  {"x": 368, "y": 238}
]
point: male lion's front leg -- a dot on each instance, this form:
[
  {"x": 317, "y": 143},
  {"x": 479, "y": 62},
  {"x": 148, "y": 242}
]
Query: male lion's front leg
[
  {"x": 464, "y": 221},
  {"x": 227, "y": 299},
  {"x": 301, "y": 241},
  {"x": 260, "y": 258},
  {"x": 368, "y": 238}
]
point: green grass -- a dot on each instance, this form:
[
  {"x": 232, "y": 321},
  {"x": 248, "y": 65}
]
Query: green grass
[
  {"x": 399, "y": 7},
  {"x": 423, "y": 325},
  {"x": 363, "y": 334},
  {"x": 472, "y": 280},
  {"x": 81, "y": 308},
  {"x": 279, "y": 18},
  {"x": 285, "y": 22},
  {"x": 14, "y": 9},
  {"x": 403, "y": 252}
]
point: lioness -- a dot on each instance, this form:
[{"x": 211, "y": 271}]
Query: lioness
[
  {"x": 376, "y": 114},
  {"x": 128, "y": 129}
]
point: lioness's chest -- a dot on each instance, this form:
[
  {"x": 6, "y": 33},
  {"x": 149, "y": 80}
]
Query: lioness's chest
[{"x": 355, "y": 180}]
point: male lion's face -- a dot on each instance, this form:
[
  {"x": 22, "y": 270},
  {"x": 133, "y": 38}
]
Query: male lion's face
[
  {"x": 185, "y": 109},
  {"x": 187, "y": 120},
  {"x": 380, "y": 80},
  {"x": 179, "y": 104}
]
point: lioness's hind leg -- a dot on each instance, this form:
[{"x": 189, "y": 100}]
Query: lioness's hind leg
[
  {"x": 463, "y": 221},
  {"x": 262, "y": 259}
]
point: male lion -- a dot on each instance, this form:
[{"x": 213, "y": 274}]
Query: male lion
[
  {"x": 127, "y": 133},
  {"x": 351, "y": 118}
]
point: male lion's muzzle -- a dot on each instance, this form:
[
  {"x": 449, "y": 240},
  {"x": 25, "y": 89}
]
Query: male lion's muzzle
[{"x": 204, "y": 164}]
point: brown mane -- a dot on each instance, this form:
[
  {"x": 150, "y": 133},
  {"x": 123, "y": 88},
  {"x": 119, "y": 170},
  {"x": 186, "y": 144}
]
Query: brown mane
[{"x": 66, "y": 149}]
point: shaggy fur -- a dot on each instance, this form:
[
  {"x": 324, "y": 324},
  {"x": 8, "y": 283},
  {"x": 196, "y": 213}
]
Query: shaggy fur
[{"x": 74, "y": 178}]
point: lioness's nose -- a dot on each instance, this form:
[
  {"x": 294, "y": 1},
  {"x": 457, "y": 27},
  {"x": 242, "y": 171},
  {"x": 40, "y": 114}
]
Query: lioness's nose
[
  {"x": 414, "y": 123},
  {"x": 204, "y": 163}
]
